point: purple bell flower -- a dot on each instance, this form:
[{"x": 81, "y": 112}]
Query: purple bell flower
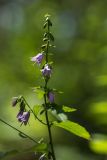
[
  {"x": 46, "y": 71},
  {"x": 23, "y": 117},
  {"x": 19, "y": 115},
  {"x": 38, "y": 58},
  {"x": 51, "y": 97}
]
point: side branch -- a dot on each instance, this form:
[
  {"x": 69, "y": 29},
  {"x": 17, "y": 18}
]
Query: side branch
[{"x": 18, "y": 131}]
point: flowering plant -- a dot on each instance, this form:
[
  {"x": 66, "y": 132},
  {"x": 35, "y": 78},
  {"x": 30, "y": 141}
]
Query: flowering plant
[{"x": 46, "y": 150}]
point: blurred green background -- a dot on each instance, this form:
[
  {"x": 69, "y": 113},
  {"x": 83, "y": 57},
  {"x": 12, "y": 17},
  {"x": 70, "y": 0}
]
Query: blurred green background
[{"x": 80, "y": 71}]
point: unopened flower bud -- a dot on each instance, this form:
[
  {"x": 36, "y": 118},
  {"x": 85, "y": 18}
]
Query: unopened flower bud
[
  {"x": 51, "y": 97},
  {"x": 14, "y": 101}
]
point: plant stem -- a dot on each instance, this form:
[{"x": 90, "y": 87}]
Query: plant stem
[
  {"x": 45, "y": 100},
  {"x": 49, "y": 130},
  {"x": 33, "y": 112},
  {"x": 18, "y": 130}
]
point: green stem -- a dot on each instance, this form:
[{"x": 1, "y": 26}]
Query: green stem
[
  {"x": 18, "y": 130},
  {"x": 49, "y": 129},
  {"x": 33, "y": 112},
  {"x": 45, "y": 100}
]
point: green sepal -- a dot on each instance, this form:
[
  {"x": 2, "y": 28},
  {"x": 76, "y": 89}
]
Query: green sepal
[{"x": 74, "y": 128}]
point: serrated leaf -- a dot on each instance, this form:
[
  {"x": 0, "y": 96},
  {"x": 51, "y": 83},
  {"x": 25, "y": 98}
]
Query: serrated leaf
[
  {"x": 68, "y": 109},
  {"x": 74, "y": 128},
  {"x": 37, "y": 109}
]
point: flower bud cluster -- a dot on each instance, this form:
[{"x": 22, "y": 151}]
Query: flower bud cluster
[{"x": 23, "y": 115}]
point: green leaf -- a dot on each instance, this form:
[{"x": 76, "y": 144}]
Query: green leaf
[
  {"x": 73, "y": 128},
  {"x": 37, "y": 109},
  {"x": 58, "y": 116},
  {"x": 68, "y": 109},
  {"x": 40, "y": 93}
]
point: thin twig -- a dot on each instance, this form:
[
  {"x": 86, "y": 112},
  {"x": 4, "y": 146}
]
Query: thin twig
[
  {"x": 33, "y": 112},
  {"x": 18, "y": 130}
]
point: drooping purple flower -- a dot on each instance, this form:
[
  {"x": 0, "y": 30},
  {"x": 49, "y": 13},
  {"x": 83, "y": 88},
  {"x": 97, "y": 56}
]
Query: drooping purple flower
[
  {"x": 38, "y": 58},
  {"x": 19, "y": 115},
  {"x": 46, "y": 71},
  {"x": 23, "y": 117},
  {"x": 51, "y": 97},
  {"x": 14, "y": 101}
]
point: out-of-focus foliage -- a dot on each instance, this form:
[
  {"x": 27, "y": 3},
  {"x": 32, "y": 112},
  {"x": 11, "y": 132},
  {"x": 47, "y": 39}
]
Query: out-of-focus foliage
[
  {"x": 80, "y": 68},
  {"x": 99, "y": 144}
]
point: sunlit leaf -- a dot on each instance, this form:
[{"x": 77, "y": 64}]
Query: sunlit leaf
[
  {"x": 40, "y": 93},
  {"x": 68, "y": 109},
  {"x": 58, "y": 116},
  {"x": 73, "y": 128},
  {"x": 37, "y": 109}
]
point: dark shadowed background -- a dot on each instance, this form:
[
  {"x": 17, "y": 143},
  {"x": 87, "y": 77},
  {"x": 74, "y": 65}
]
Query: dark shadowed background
[{"x": 80, "y": 71}]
